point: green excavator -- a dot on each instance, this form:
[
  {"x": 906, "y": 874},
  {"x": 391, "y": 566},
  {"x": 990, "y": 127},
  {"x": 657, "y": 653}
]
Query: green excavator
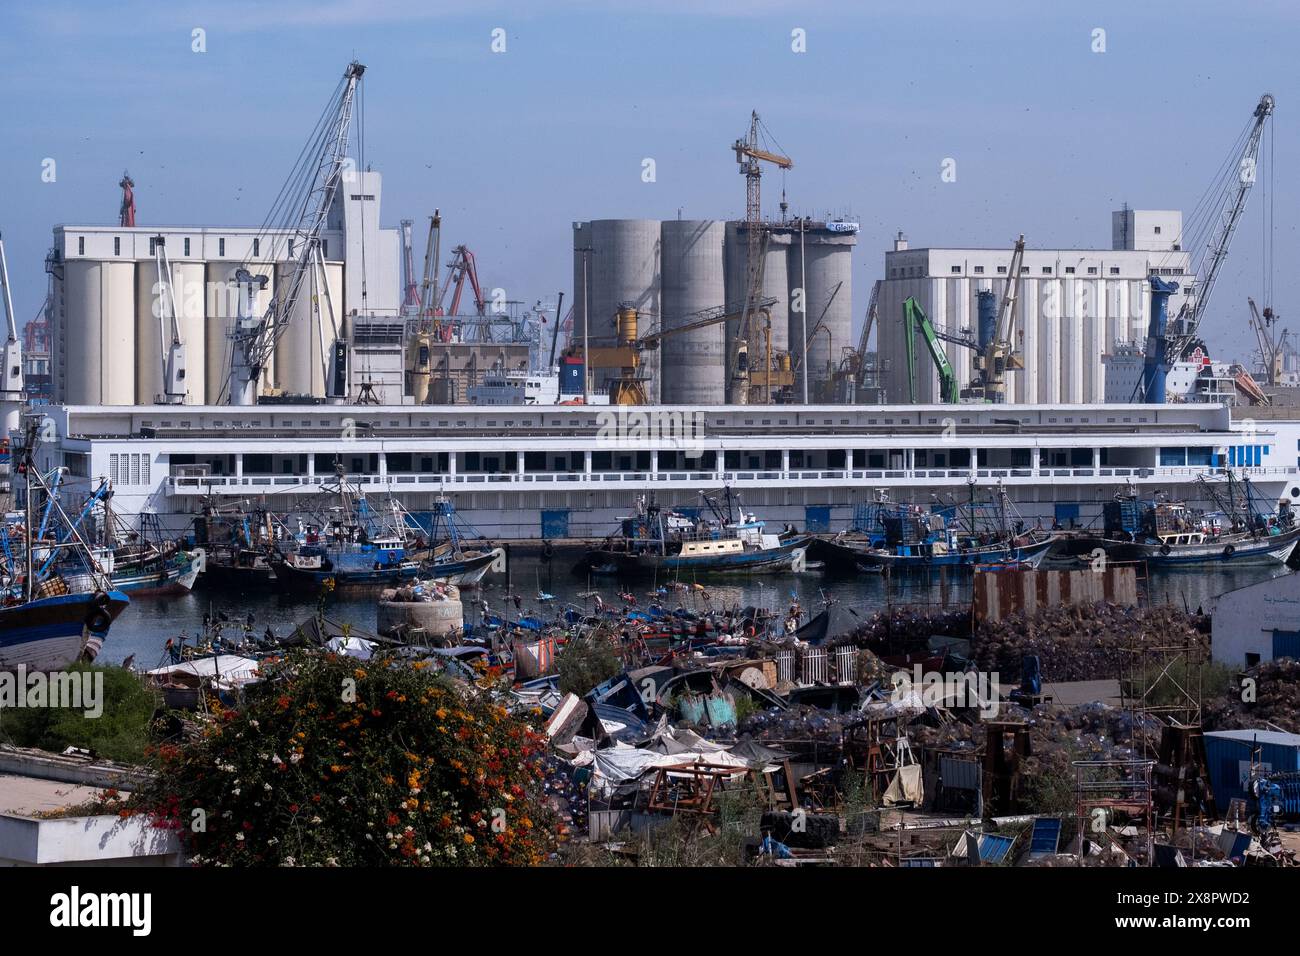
[{"x": 914, "y": 318}]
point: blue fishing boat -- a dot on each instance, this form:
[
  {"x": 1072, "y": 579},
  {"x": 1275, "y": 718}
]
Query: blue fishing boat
[
  {"x": 904, "y": 537},
  {"x": 57, "y": 603}
]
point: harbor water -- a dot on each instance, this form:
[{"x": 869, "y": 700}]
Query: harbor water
[{"x": 145, "y": 626}]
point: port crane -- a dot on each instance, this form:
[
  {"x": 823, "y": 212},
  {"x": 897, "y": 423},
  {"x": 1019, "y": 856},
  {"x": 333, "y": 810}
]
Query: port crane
[
  {"x": 749, "y": 157},
  {"x": 1231, "y": 192},
  {"x": 311, "y": 189},
  {"x": 169, "y": 332},
  {"x": 11, "y": 376},
  {"x": 996, "y": 356},
  {"x": 432, "y": 254},
  {"x": 410, "y": 294},
  {"x": 628, "y": 389},
  {"x": 1273, "y": 344},
  {"x": 126, "y": 214}
]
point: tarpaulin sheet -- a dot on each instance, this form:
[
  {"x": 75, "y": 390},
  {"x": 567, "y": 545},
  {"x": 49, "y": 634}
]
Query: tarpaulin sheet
[{"x": 906, "y": 786}]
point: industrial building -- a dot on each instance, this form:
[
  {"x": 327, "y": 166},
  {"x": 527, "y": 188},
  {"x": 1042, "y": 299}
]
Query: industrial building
[
  {"x": 673, "y": 272},
  {"x": 106, "y": 335},
  {"x": 1260, "y": 622},
  {"x": 1073, "y": 307},
  {"x": 561, "y": 471}
]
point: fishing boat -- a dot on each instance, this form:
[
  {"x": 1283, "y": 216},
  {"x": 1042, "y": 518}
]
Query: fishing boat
[
  {"x": 904, "y": 537},
  {"x": 237, "y": 545},
  {"x": 658, "y": 541},
  {"x": 56, "y": 602},
  {"x": 1172, "y": 534},
  {"x": 352, "y": 547},
  {"x": 141, "y": 561},
  {"x": 456, "y": 555}
]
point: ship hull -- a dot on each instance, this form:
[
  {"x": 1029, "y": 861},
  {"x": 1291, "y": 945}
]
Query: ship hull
[
  {"x": 308, "y": 579},
  {"x": 53, "y": 633},
  {"x": 789, "y": 556},
  {"x": 465, "y": 572},
  {"x": 176, "y": 578},
  {"x": 1262, "y": 550},
  {"x": 922, "y": 559}
]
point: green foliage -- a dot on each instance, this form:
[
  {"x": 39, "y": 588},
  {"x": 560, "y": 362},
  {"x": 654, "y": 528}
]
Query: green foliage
[
  {"x": 120, "y": 733},
  {"x": 746, "y": 707},
  {"x": 585, "y": 662},
  {"x": 335, "y": 762}
]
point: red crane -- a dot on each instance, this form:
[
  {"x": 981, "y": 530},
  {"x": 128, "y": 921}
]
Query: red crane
[
  {"x": 462, "y": 265},
  {"x": 127, "y": 215}
]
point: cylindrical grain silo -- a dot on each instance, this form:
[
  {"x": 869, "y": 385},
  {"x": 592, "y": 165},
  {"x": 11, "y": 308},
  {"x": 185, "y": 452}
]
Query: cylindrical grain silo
[
  {"x": 81, "y": 333},
  {"x": 100, "y": 335},
  {"x": 623, "y": 267},
  {"x": 191, "y": 310},
  {"x": 774, "y": 284},
  {"x": 692, "y": 363},
  {"x": 149, "y": 335},
  {"x": 820, "y": 261},
  {"x": 222, "y": 307},
  {"x": 303, "y": 349}
]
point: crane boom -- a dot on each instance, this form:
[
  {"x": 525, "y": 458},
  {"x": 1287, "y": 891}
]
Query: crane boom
[
  {"x": 11, "y": 376},
  {"x": 914, "y": 319},
  {"x": 169, "y": 332},
  {"x": 1187, "y": 323},
  {"x": 254, "y": 338}
]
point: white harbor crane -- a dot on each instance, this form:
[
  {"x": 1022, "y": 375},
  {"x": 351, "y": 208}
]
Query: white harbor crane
[
  {"x": 11, "y": 376},
  {"x": 169, "y": 332},
  {"x": 1230, "y": 192},
  {"x": 310, "y": 190}
]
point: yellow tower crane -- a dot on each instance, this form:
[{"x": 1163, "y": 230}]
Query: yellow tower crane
[{"x": 750, "y": 156}]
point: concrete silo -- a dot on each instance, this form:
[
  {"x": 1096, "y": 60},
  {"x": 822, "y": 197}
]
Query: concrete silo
[
  {"x": 99, "y": 302},
  {"x": 222, "y": 307},
  {"x": 692, "y": 364},
  {"x": 820, "y": 262},
  {"x": 622, "y": 267},
  {"x": 152, "y": 337},
  {"x": 303, "y": 350},
  {"x": 775, "y": 285}
]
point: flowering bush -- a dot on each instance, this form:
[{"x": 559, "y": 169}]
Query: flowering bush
[{"x": 339, "y": 762}]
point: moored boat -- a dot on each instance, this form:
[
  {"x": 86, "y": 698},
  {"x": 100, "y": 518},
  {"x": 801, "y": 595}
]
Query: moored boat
[{"x": 658, "y": 541}]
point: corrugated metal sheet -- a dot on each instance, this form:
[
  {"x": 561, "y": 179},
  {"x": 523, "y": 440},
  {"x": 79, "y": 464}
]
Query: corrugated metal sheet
[
  {"x": 1229, "y": 754},
  {"x": 1046, "y": 836},
  {"x": 1000, "y": 593},
  {"x": 959, "y": 774}
]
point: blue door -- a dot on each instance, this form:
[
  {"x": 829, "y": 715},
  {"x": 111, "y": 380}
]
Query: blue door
[
  {"x": 555, "y": 524},
  {"x": 1065, "y": 514},
  {"x": 817, "y": 518},
  {"x": 1286, "y": 644}
]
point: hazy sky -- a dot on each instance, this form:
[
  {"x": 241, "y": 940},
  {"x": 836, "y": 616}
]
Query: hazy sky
[{"x": 1048, "y": 136}]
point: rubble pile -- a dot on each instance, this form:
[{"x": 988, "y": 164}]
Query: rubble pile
[
  {"x": 1077, "y": 642},
  {"x": 796, "y": 723},
  {"x": 1276, "y": 691},
  {"x": 903, "y": 626}
]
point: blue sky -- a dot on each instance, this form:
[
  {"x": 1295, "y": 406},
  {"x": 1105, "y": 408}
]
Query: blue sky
[{"x": 1048, "y": 136}]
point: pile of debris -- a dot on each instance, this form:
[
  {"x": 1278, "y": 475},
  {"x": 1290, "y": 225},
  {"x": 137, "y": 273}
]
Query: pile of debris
[
  {"x": 1079, "y": 642},
  {"x": 1276, "y": 693}
]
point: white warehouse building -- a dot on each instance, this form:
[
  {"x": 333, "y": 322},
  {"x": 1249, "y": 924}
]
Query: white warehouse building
[
  {"x": 1074, "y": 306},
  {"x": 106, "y": 338}
]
